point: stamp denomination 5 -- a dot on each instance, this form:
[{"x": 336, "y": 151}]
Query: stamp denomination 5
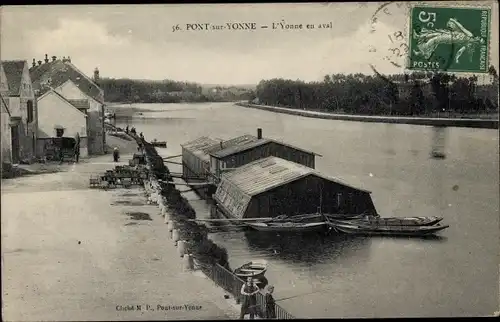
[{"x": 449, "y": 39}]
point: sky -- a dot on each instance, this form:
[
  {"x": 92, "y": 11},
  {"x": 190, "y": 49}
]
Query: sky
[{"x": 138, "y": 41}]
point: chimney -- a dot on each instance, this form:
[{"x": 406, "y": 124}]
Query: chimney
[
  {"x": 69, "y": 59},
  {"x": 259, "y": 133},
  {"x": 54, "y": 58},
  {"x": 46, "y": 58},
  {"x": 96, "y": 75},
  {"x": 39, "y": 62},
  {"x": 34, "y": 62}
]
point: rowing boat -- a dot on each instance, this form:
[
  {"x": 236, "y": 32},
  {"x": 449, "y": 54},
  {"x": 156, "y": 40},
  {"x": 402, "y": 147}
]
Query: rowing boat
[
  {"x": 159, "y": 144},
  {"x": 251, "y": 269},
  {"x": 393, "y": 221},
  {"x": 387, "y": 230},
  {"x": 287, "y": 226}
]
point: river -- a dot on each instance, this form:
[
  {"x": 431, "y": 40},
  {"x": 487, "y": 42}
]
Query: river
[{"x": 336, "y": 276}]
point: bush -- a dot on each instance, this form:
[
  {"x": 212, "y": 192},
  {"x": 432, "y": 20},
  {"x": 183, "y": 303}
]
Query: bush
[{"x": 205, "y": 250}]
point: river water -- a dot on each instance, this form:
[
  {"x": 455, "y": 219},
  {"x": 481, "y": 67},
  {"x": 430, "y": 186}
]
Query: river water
[{"x": 337, "y": 276}]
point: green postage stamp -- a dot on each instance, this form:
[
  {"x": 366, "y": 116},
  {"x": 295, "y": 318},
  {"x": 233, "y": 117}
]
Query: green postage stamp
[{"x": 449, "y": 39}]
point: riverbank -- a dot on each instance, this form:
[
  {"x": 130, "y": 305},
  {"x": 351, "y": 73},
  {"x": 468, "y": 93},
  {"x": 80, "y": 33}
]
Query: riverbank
[
  {"x": 74, "y": 253},
  {"x": 448, "y": 122}
]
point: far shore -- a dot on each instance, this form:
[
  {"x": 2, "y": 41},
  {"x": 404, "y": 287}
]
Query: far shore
[{"x": 485, "y": 123}]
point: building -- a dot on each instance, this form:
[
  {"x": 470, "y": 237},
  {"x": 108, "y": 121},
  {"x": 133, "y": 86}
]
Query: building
[
  {"x": 217, "y": 167},
  {"x": 240, "y": 154},
  {"x": 196, "y": 159},
  {"x": 71, "y": 116},
  {"x": 66, "y": 79},
  {"x": 6, "y": 135},
  {"x": 19, "y": 99},
  {"x": 273, "y": 186}
]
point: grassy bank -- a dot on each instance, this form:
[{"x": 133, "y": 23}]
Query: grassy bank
[
  {"x": 204, "y": 250},
  {"x": 485, "y": 123}
]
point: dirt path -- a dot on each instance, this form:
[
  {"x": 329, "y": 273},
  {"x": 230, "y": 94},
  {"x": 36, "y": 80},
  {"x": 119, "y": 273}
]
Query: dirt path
[{"x": 72, "y": 253}]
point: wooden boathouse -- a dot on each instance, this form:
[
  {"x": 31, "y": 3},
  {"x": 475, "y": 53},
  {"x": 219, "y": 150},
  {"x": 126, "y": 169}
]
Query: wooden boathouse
[
  {"x": 196, "y": 159},
  {"x": 237, "y": 155},
  {"x": 273, "y": 186}
]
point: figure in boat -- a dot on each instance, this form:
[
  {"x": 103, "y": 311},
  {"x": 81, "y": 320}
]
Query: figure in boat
[{"x": 428, "y": 40}]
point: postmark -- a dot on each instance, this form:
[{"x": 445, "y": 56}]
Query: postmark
[
  {"x": 452, "y": 39},
  {"x": 387, "y": 36}
]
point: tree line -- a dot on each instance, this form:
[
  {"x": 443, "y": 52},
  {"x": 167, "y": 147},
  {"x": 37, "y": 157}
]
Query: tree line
[
  {"x": 418, "y": 93},
  {"x": 166, "y": 91}
]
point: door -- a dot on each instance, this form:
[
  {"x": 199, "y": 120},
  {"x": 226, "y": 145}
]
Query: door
[{"x": 14, "y": 132}]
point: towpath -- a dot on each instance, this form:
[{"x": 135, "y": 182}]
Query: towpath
[{"x": 74, "y": 253}]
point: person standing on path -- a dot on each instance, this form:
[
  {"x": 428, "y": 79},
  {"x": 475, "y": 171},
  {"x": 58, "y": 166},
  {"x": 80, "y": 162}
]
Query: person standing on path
[
  {"x": 270, "y": 303},
  {"x": 249, "y": 291},
  {"x": 77, "y": 147}
]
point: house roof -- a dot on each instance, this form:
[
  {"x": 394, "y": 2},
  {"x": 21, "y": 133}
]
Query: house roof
[
  {"x": 235, "y": 149},
  {"x": 14, "y": 72},
  {"x": 81, "y": 104},
  {"x": 199, "y": 146},
  {"x": 268, "y": 173},
  {"x": 60, "y": 72},
  {"x": 232, "y": 143}
]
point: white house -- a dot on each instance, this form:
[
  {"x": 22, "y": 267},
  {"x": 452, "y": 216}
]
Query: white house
[
  {"x": 71, "y": 91},
  {"x": 55, "y": 110},
  {"x": 66, "y": 79},
  {"x": 6, "y": 134},
  {"x": 19, "y": 99}
]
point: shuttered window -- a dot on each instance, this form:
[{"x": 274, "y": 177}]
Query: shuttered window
[{"x": 30, "y": 111}]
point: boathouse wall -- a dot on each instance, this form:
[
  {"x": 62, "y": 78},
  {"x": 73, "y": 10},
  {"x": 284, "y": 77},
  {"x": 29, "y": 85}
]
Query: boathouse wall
[
  {"x": 216, "y": 165},
  {"x": 268, "y": 149},
  {"x": 309, "y": 195},
  {"x": 273, "y": 186},
  {"x": 195, "y": 163},
  {"x": 195, "y": 160}
]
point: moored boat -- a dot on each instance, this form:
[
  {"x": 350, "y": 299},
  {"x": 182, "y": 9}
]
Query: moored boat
[
  {"x": 393, "y": 221},
  {"x": 287, "y": 226},
  {"x": 159, "y": 144},
  {"x": 387, "y": 230},
  {"x": 252, "y": 269}
]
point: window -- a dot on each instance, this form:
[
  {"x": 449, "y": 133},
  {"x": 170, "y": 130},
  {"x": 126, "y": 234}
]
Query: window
[{"x": 30, "y": 111}]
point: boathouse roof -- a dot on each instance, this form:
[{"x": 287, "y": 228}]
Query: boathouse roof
[
  {"x": 200, "y": 146},
  {"x": 235, "y": 149},
  {"x": 232, "y": 143},
  {"x": 239, "y": 187},
  {"x": 265, "y": 174}
]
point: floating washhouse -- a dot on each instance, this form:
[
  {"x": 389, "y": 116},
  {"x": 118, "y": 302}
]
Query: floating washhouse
[
  {"x": 273, "y": 186},
  {"x": 196, "y": 159},
  {"x": 237, "y": 155}
]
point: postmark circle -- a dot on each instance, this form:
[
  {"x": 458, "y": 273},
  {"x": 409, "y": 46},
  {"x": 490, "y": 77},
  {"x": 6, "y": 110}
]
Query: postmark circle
[{"x": 400, "y": 32}]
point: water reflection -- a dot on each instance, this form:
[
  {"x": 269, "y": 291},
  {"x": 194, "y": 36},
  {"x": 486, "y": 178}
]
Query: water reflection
[
  {"x": 428, "y": 238},
  {"x": 438, "y": 150},
  {"x": 307, "y": 248}
]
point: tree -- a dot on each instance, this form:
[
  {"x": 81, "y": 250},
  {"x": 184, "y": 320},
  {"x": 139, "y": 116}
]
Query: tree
[{"x": 416, "y": 99}]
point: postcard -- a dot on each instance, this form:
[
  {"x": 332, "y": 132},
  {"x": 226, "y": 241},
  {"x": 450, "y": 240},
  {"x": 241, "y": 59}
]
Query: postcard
[{"x": 250, "y": 161}]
